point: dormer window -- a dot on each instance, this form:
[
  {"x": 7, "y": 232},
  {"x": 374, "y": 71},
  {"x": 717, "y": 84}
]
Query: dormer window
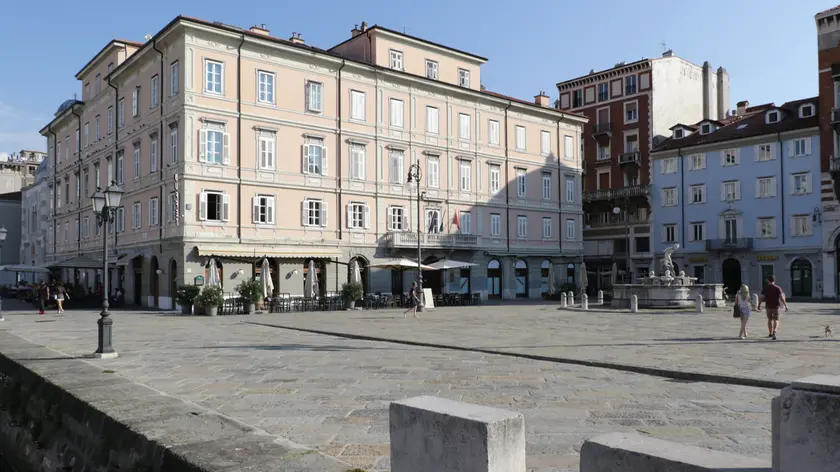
[
  {"x": 705, "y": 128},
  {"x": 772, "y": 116},
  {"x": 396, "y": 60},
  {"x": 679, "y": 133},
  {"x": 806, "y": 110}
]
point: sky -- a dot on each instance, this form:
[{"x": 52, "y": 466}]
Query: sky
[{"x": 767, "y": 46}]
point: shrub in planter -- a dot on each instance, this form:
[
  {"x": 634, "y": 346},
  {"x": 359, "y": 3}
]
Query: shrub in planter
[
  {"x": 252, "y": 292},
  {"x": 185, "y": 296},
  {"x": 352, "y": 291},
  {"x": 211, "y": 298}
]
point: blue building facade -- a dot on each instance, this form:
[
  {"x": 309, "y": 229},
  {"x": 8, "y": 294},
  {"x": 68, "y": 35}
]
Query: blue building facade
[{"x": 742, "y": 198}]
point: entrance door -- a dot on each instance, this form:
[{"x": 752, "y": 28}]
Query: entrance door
[
  {"x": 731, "y": 275},
  {"x": 154, "y": 281},
  {"x": 494, "y": 279},
  {"x": 801, "y": 278},
  {"x": 766, "y": 272},
  {"x": 138, "y": 281},
  {"x": 521, "y": 274},
  {"x": 700, "y": 273},
  {"x": 397, "y": 282}
]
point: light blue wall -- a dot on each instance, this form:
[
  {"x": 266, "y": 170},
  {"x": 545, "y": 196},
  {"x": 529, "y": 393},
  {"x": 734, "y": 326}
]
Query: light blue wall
[{"x": 751, "y": 208}]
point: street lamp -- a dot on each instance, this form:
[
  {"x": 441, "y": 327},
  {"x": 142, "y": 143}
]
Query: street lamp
[
  {"x": 105, "y": 204},
  {"x": 617, "y": 211},
  {"x": 414, "y": 175},
  {"x": 3, "y": 233}
]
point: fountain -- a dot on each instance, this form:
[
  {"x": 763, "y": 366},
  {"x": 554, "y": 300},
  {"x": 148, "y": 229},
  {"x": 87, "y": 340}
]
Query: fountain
[{"x": 668, "y": 290}]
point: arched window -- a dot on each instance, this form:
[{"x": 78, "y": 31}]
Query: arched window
[
  {"x": 545, "y": 276},
  {"x": 520, "y": 268},
  {"x": 494, "y": 279},
  {"x": 570, "y": 274}
]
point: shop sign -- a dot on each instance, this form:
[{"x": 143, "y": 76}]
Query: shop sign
[
  {"x": 697, "y": 259},
  {"x": 766, "y": 258}
]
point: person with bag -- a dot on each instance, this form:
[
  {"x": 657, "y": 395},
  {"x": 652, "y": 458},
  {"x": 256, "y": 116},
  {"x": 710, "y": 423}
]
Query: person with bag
[
  {"x": 743, "y": 307},
  {"x": 60, "y": 295}
]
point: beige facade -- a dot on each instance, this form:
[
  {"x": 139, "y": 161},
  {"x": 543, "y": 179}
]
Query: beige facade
[{"x": 236, "y": 145}]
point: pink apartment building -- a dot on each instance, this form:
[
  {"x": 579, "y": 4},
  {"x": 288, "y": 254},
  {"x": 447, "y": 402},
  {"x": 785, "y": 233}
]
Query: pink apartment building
[{"x": 235, "y": 145}]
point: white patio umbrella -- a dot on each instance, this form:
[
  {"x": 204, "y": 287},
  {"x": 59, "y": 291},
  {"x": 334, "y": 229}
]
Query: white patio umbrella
[
  {"x": 356, "y": 272},
  {"x": 584, "y": 279},
  {"x": 551, "y": 277},
  {"x": 310, "y": 287},
  {"x": 25, "y": 268},
  {"x": 265, "y": 278},
  {"x": 614, "y": 274},
  {"x": 401, "y": 264},
  {"x": 445, "y": 264},
  {"x": 213, "y": 278}
]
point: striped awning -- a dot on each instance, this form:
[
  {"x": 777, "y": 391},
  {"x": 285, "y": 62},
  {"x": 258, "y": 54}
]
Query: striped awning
[{"x": 284, "y": 252}]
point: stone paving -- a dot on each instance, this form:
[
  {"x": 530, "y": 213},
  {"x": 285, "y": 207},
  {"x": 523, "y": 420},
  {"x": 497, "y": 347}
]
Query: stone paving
[{"x": 332, "y": 393}]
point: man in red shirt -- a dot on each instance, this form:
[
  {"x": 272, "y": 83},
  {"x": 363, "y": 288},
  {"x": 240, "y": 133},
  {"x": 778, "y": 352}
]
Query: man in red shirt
[{"x": 774, "y": 298}]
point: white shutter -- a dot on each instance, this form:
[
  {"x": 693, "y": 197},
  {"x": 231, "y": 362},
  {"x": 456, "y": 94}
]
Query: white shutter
[
  {"x": 773, "y": 227},
  {"x": 793, "y": 185},
  {"x": 723, "y": 158},
  {"x": 772, "y": 186},
  {"x": 269, "y": 212},
  {"x": 738, "y": 190},
  {"x": 758, "y": 228},
  {"x": 226, "y": 149},
  {"x": 324, "y": 160},
  {"x": 367, "y": 216},
  {"x": 304, "y": 214},
  {"x": 808, "y": 179},
  {"x": 305, "y": 158},
  {"x": 722, "y": 191},
  {"x": 348, "y": 210},
  {"x": 662, "y": 197},
  {"x": 791, "y": 148},
  {"x": 150, "y": 212},
  {"x": 255, "y": 209},
  {"x": 202, "y": 205},
  {"x": 225, "y": 207},
  {"x": 808, "y": 147},
  {"x": 757, "y": 150},
  {"x": 662, "y": 166},
  {"x": 757, "y": 188},
  {"x": 325, "y": 214},
  {"x": 389, "y": 218},
  {"x": 307, "y": 87},
  {"x": 202, "y": 145}
]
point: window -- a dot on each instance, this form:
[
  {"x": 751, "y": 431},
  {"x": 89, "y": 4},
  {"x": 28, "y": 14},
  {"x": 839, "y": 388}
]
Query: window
[
  {"x": 679, "y": 133},
  {"x": 431, "y": 70},
  {"x": 731, "y": 191},
  {"x": 97, "y": 84},
  {"x": 86, "y": 227},
  {"x": 173, "y": 78},
  {"x": 136, "y": 160},
  {"x": 631, "y": 112},
  {"x": 97, "y": 131},
  {"x": 173, "y": 145},
  {"x": 314, "y": 97},
  {"x": 87, "y": 134},
  {"x": 96, "y": 176},
  {"x": 120, "y": 223},
  {"x": 265, "y": 87},
  {"x": 495, "y": 179},
  {"x": 603, "y": 92},
  {"x": 800, "y": 225},
  {"x": 668, "y": 165},
  {"x": 135, "y": 102},
  {"x": 214, "y": 147},
  {"x": 697, "y": 231},
  {"x": 396, "y": 60},
  {"x": 545, "y": 143},
  {"x": 698, "y": 161},
  {"x": 801, "y": 147},
  {"x": 772, "y": 116},
  {"x": 466, "y": 223},
  {"x": 396, "y": 218},
  {"x": 434, "y": 223},
  {"x": 263, "y": 209},
  {"x": 121, "y": 113},
  {"x": 465, "y": 126},
  {"x": 173, "y": 207},
  {"x": 698, "y": 194},
  {"x": 78, "y": 190},
  {"x": 396, "y": 112},
  {"x": 521, "y": 183},
  {"x": 154, "y": 93},
  {"x": 136, "y": 214},
  {"x": 546, "y": 228},
  {"x": 570, "y": 189},
  {"x": 669, "y": 196},
  {"x": 522, "y": 226},
  {"x": 314, "y": 156},
  {"x": 357, "y": 161},
  {"x": 577, "y": 98},
  {"x": 213, "y": 206},
  {"x": 465, "y": 175},
  {"x": 729, "y": 157},
  {"x": 630, "y": 85},
  {"x": 432, "y": 120},
  {"x": 806, "y": 111},
  {"x": 603, "y": 152},
  {"x": 463, "y": 77},
  {"x": 766, "y": 228},
  {"x": 86, "y": 183},
  {"x": 705, "y": 128},
  {"x": 801, "y": 183},
  {"x": 670, "y": 233},
  {"x": 153, "y": 154},
  {"x": 571, "y": 230},
  {"x": 110, "y": 67},
  {"x": 520, "y": 138},
  {"x": 765, "y": 187},
  {"x": 121, "y": 167},
  {"x": 86, "y": 93},
  {"x": 153, "y": 211},
  {"x": 764, "y": 152},
  {"x": 495, "y": 224},
  {"x": 433, "y": 171},
  {"x": 213, "y": 81},
  {"x": 266, "y": 151},
  {"x": 357, "y": 105},
  {"x": 569, "y": 145},
  {"x": 58, "y": 196},
  {"x": 546, "y": 185},
  {"x": 396, "y": 161},
  {"x": 493, "y": 132},
  {"x": 110, "y": 119}
]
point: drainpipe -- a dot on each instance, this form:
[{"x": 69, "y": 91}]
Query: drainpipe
[
  {"x": 160, "y": 150},
  {"x": 559, "y": 192},
  {"x": 239, "y": 139},
  {"x": 338, "y": 153},
  {"x": 507, "y": 178},
  {"x": 682, "y": 197},
  {"x": 782, "y": 180},
  {"x": 55, "y": 166},
  {"x": 78, "y": 169},
  {"x": 114, "y": 160}
]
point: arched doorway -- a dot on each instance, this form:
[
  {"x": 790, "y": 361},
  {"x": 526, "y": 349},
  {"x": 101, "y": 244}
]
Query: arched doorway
[
  {"x": 434, "y": 279},
  {"x": 801, "y": 278},
  {"x": 137, "y": 267},
  {"x": 731, "y": 269},
  {"x": 520, "y": 268},
  {"x": 364, "y": 272},
  {"x": 154, "y": 278},
  {"x": 173, "y": 281},
  {"x": 545, "y": 282},
  {"x": 494, "y": 279}
]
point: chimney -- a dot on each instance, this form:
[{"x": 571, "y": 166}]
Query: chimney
[
  {"x": 742, "y": 108},
  {"x": 364, "y": 26},
  {"x": 668, "y": 53},
  {"x": 355, "y": 31},
  {"x": 261, "y": 29},
  {"x": 542, "y": 99},
  {"x": 296, "y": 38}
]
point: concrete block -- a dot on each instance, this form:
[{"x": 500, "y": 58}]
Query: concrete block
[
  {"x": 600, "y": 297},
  {"x": 562, "y": 300},
  {"x": 430, "y": 433},
  {"x": 571, "y": 298},
  {"x": 634, "y": 303},
  {"x": 809, "y": 425},
  {"x": 698, "y": 300},
  {"x": 630, "y": 452},
  {"x": 775, "y": 423},
  {"x": 584, "y": 301}
]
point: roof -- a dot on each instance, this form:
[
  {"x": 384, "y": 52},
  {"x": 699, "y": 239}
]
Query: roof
[
  {"x": 112, "y": 42},
  {"x": 415, "y": 38},
  {"x": 66, "y": 105},
  {"x": 749, "y": 125},
  {"x": 526, "y": 102},
  {"x": 629, "y": 64},
  {"x": 830, "y": 10}
]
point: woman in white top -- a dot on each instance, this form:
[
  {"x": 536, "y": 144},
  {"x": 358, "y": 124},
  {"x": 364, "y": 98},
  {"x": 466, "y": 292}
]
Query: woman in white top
[{"x": 745, "y": 305}]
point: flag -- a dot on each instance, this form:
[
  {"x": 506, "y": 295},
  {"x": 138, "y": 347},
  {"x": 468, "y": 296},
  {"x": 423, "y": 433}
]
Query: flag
[{"x": 456, "y": 222}]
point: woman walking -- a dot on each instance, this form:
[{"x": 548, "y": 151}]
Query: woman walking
[
  {"x": 60, "y": 295},
  {"x": 745, "y": 304}
]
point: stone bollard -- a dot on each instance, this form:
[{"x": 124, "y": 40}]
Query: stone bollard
[
  {"x": 698, "y": 303},
  {"x": 634, "y": 303},
  {"x": 584, "y": 301},
  {"x": 431, "y": 434},
  {"x": 808, "y": 423},
  {"x": 600, "y": 297},
  {"x": 571, "y": 298},
  {"x": 562, "y": 299}
]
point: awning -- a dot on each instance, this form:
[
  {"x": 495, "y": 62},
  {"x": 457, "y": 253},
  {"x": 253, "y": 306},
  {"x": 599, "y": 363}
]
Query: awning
[
  {"x": 285, "y": 252},
  {"x": 78, "y": 262}
]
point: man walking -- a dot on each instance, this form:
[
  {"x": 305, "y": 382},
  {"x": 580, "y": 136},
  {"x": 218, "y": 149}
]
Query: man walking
[
  {"x": 43, "y": 296},
  {"x": 413, "y": 300},
  {"x": 774, "y": 298}
]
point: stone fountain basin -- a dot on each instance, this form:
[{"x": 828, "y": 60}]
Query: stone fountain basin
[{"x": 667, "y": 296}]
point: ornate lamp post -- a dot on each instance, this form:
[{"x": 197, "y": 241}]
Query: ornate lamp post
[
  {"x": 414, "y": 175},
  {"x": 3, "y": 233},
  {"x": 105, "y": 204}
]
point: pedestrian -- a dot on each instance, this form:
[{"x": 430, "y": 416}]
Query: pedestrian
[
  {"x": 60, "y": 295},
  {"x": 744, "y": 303},
  {"x": 43, "y": 296},
  {"x": 774, "y": 298},
  {"x": 413, "y": 301}
]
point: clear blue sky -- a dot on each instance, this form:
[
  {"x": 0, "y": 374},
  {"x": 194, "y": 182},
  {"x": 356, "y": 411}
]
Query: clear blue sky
[{"x": 768, "y": 46}]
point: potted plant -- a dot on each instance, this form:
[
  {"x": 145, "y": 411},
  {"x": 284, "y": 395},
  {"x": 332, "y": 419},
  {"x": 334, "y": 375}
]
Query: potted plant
[
  {"x": 211, "y": 298},
  {"x": 185, "y": 296},
  {"x": 251, "y": 291},
  {"x": 352, "y": 291}
]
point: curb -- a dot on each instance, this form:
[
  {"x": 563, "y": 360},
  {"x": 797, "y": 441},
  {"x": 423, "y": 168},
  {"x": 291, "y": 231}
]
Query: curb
[{"x": 652, "y": 371}]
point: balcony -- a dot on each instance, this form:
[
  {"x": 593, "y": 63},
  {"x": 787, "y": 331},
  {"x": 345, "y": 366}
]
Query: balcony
[
  {"x": 737, "y": 244},
  {"x": 632, "y": 157},
  {"x": 614, "y": 220},
  {"x": 400, "y": 239},
  {"x": 617, "y": 193},
  {"x": 603, "y": 129},
  {"x": 604, "y": 248}
]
